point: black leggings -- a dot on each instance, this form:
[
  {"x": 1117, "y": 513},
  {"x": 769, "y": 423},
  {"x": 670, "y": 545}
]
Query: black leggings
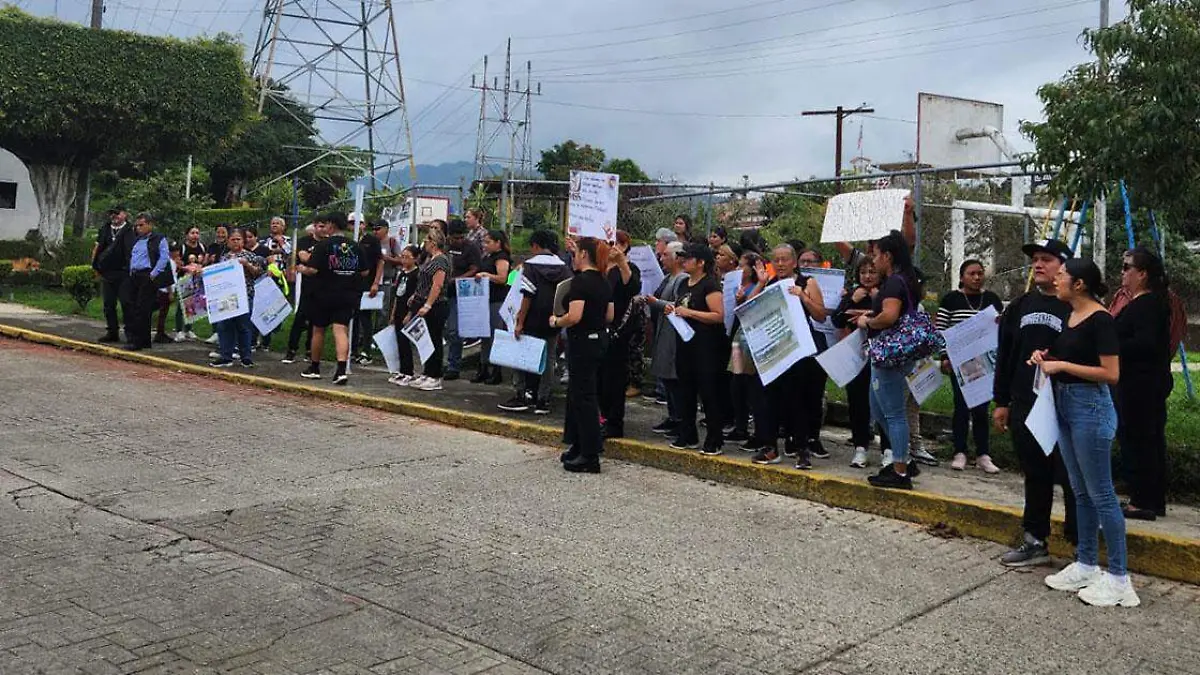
[
  {"x": 699, "y": 379},
  {"x": 435, "y": 321},
  {"x": 581, "y": 429},
  {"x": 858, "y": 400},
  {"x": 976, "y": 418},
  {"x": 404, "y": 346},
  {"x": 614, "y": 378},
  {"x": 301, "y": 324}
]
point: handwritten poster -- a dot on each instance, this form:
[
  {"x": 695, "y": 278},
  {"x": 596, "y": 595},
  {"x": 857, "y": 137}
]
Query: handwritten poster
[
  {"x": 971, "y": 346},
  {"x": 774, "y": 327},
  {"x": 647, "y": 263},
  {"x": 592, "y": 208},
  {"x": 271, "y": 306},
  {"x": 862, "y": 216},
  {"x": 225, "y": 290}
]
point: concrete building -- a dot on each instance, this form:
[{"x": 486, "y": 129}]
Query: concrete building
[{"x": 18, "y": 208}]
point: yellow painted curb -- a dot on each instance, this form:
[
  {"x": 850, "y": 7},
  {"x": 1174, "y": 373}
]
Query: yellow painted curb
[{"x": 1156, "y": 554}]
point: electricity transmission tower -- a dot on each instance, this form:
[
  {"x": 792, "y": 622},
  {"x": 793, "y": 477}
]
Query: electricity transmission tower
[
  {"x": 505, "y": 112},
  {"x": 341, "y": 60}
]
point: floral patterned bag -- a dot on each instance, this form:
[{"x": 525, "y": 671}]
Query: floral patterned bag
[{"x": 912, "y": 338}]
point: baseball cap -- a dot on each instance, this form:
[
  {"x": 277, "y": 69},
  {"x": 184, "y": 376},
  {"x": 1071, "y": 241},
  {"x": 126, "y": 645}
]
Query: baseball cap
[{"x": 1054, "y": 247}]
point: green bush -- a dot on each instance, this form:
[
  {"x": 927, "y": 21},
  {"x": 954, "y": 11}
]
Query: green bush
[
  {"x": 5, "y": 270},
  {"x": 16, "y": 249},
  {"x": 208, "y": 219},
  {"x": 70, "y": 252},
  {"x": 39, "y": 278},
  {"x": 80, "y": 282}
]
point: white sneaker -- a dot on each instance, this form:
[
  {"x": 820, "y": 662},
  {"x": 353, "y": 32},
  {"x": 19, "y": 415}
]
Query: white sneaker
[
  {"x": 405, "y": 381},
  {"x": 212, "y": 339},
  {"x": 1110, "y": 591},
  {"x": 191, "y": 336},
  {"x": 214, "y": 355},
  {"x": 960, "y": 462},
  {"x": 887, "y": 458},
  {"x": 1074, "y": 577},
  {"x": 860, "y": 458},
  {"x": 430, "y": 384},
  {"x": 985, "y": 462},
  {"x": 394, "y": 378},
  {"x": 180, "y": 336},
  {"x": 417, "y": 381}
]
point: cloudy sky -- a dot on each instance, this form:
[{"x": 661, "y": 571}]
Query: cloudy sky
[{"x": 694, "y": 90}]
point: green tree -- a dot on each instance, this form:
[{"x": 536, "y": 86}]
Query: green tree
[
  {"x": 627, "y": 169},
  {"x": 270, "y": 146},
  {"x": 73, "y": 97},
  {"x": 558, "y": 162},
  {"x": 163, "y": 194},
  {"x": 1132, "y": 113}
]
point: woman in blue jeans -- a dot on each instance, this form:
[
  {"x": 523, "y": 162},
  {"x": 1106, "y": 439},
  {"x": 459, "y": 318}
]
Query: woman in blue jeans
[
  {"x": 1082, "y": 364},
  {"x": 899, "y": 291},
  {"x": 236, "y": 334}
]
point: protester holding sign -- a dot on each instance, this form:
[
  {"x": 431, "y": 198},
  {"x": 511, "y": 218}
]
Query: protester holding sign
[
  {"x": 431, "y": 302},
  {"x": 816, "y": 379},
  {"x": 956, "y": 307},
  {"x": 336, "y": 264},
  {"x": 189, "y": 258},
  {"x": 701, "y": 359},
  {"x": 589, "y": 310},
  {"x": 855, "y": 302},
  {"x": 746, "y": 388},
  {"x": 237, "y": 333},
  {"x": 662, "y": 363},
  {"x": 625, "y": 282},
  {"x": 464, "y": 257},
  {"x": 495, "y": 265},
  {"x": 1030, "y": 323},
  {"x": 1083, "y": 363},
  {"x": 406, "y": 287}
]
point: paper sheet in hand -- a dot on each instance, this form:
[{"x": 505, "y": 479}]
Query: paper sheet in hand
[
  {"x": 190, "y": 291},
  {"x": 647, "y": 263},
  {"x": 512, "y": 303},
  {"x": 729, "y": 288},
  {"x": 417, "y": 333},
  {"x": 774, "y": 324},
  {"x": 271, "y": 306},
  {"x": 474, "y": 317},
  {"x": 389, "y": 346},
  {"x": 368, "y": 303},
  {"x": 971, "y": 346},
  {"x": 527, "y": 354},
  {"x": 862, "y": 216},
  {"x": 592, "y": 206},
  {"x": 681, "y": 326},
  {"x": 1042, "y": 421},
  {"x": 845, "y": 360},
  {"x": 925, "y": 379},
  {"x": 832, "y": 283},
  {"x": 225, "y": 290}
]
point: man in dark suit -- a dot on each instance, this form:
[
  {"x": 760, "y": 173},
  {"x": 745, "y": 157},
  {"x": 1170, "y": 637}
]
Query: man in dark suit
[{"x": 110, "y": 259}]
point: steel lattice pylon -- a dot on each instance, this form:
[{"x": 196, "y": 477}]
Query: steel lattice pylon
[{"x": 340, "y": 59}]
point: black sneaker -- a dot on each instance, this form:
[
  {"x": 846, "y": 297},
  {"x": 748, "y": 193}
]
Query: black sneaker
[
  {"x": 362, "y": 360},
  {"x": 817, "y": 450},
  {"x": 311, "y": 373},
  {"x": 664, "y": 427},
  {"x": 660, "y": 401},
  {"x": 247, "y": 364},
  {"x": 109, "y": 337},
  {"x": 221, "y": 363},
  {"x": 888, "y": 478},
  {"x": 711, "y": 450},
  {"x": 684, "y": 445},
  {"x": 914, "y": 469},
  {"x": 290, "y": 357},
  {"x": 923, "y": 456},
  {"x": 753, "y": 445},
  {"x": 738, "y": 436},
  {"x": 471, "y": 343},
  {"x": 517, "y": 403},
  {"x": 541, "y": 408},
  {"x": 767, "y": 456},
  {"x": 789, "y": 451},
  {"x": 341, "y": 379},
  {"x": 1030, "y": 552},
  {"x": 450, "y": 375},
  {"x": 803, "y": 464}
]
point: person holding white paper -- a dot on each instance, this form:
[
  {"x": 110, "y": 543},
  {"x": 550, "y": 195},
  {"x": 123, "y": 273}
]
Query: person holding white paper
[
  {"x": 494, "y": 266},
  {"x": 855, "y": 302},
  {"x": 956, "y": 307},
  {"x": 662, "y": 363},
  {"x": 625, "y": 280},
  {"x": 700, "y": 360},
  {"x": 406, "y": 286},
  {"x": 1083, "y": 363},
  {"x": 431, "y": 302},
  {"x": 236, "y": 334},
  {"x": 746, "y": 388},
  {"x": 816, "y": 378}
]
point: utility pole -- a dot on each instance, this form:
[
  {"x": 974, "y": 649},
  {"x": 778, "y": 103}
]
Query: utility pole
[
  {"x": 841, "y": 114},
  {"x": 1100, "y": 219},
  {"x": 506, "y": 100},
  {"x": 97, "y": 13}
]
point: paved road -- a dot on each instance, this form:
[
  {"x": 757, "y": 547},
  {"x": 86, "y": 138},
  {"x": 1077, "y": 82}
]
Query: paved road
[{"x": 165, "y": 523}]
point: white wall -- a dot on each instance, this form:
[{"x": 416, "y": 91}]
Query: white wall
[{"x": 15, "y": 223}]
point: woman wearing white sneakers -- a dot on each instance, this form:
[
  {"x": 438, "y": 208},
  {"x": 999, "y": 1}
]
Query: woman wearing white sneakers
[{"x": 1083, "y": 363}]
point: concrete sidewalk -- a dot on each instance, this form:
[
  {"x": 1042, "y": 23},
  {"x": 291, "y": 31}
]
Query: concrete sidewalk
[{"x": 970, "y": 502}]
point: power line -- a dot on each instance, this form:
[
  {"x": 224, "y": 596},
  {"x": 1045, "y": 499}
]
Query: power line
[{"x": 647, "y": 24}]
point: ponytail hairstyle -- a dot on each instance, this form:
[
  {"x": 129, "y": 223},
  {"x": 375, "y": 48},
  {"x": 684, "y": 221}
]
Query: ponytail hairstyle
[
  {"x": 1148, "y": 261},
  {"x": 1086, "y": 271},
  {"x": 596, "y": 250},
  {"x": 902, "y": 264},
  {"x": 502, "y": 237}
]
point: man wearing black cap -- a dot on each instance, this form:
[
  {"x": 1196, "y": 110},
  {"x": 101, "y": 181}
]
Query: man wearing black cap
[
  {"x": 1032, "y": 322},
  {"x": 110, "y": 258}
]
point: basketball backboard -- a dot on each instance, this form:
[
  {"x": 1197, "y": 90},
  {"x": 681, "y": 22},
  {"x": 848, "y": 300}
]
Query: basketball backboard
[{"x": 958, "y": 132}]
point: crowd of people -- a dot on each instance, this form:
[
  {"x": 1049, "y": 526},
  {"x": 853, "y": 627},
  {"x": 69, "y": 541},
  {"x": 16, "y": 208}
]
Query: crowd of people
[{"x": 1110, "y": 367}]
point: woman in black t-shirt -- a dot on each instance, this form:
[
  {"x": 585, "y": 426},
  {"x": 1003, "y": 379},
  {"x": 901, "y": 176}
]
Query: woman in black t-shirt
[
  {"x": 700, "y": 360},
  {"x": 494, "y": 266},
  {"x": 189, "y": 259},
  {"x": 625, "y": 280},
  {"x": 589, "y": 310},
  {"x": 856, "y": 301},
  {"x": 405, "y": 284},
  {"x": 1083, "y": 362}
]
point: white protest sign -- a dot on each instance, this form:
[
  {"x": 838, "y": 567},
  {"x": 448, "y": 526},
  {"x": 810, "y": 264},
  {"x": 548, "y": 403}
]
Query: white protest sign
[
  {"x": 729, "y": 288},
  {"x": 1042, "y": 421},
  {"x": 225, "y": 290},
  {"x": 527, "y": 354},
  {"x": 592, "y": 207},
  {"x": 971, "y": 346},
  {"x": 389, "y": 346},
  {"x": 774, "y": 324},
  {"x": 512, "y": 304},
  {"x": 832, "y": 282},
  {"x": 925, "y": 378},
  {"x": 685, "y": 331},
  {"x": 417, "y": 332},
  {"x": 647, "y": 263},
  {"x": 845, "y": 360},
  {"x": 474, "y": 317},
  {"x": 271, "y": 306},
  {"x": 862, "y": 216},
  {"x": 368, "y": 303}
]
